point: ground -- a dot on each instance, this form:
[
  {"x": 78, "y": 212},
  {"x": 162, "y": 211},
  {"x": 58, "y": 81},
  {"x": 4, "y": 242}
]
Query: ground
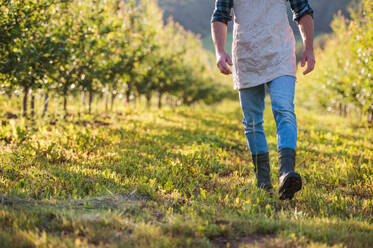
[{"x": 176, "y": 178}]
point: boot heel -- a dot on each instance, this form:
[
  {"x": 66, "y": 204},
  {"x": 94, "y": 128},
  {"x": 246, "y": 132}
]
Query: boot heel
[{"x": 290, "y": 184}]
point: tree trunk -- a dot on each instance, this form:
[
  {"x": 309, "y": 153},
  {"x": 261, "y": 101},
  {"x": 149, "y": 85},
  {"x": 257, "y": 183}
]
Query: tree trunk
[
  {"x": 370, "y": 117},
  {"x": 32, "y": 104},
  {"x": 46, "y": 101},
  {"x": 112, "y": 101},
  {"x": 345, "y": 110},
  {"x": 160, "y": 100},
  {"x": 169, "y": 100},
  {"x": 65, "y": 102},
  {"x": 106, "y": 101},
  {"x": 24, "y": 103},
  {"x": 84, "y": 92},
  {"x": 134, "y": 100},
  {"x": 128, "y": 93},
  {"x": 90, "y": 99},
  {"x": 172, "y": 102},
  {"x": 148, "y": 97}
]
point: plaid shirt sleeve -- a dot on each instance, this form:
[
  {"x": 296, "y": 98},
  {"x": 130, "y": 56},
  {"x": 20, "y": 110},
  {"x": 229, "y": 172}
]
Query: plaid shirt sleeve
[
  {"x": 222, "y": 12},
  {"x": 300, "y": 8}
]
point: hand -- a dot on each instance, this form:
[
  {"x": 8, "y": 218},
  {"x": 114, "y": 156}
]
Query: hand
[
  {"x": 221, "y": 61},
  {"x": 309, "y": 57}
]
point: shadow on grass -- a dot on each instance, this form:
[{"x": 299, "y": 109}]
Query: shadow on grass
[{"x": 121, "y": 201}]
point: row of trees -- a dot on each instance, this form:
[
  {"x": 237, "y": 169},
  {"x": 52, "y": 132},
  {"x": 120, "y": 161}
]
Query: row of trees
[
  {"x": 102, "y": 48},
  {"x": 343, "y": 81}
]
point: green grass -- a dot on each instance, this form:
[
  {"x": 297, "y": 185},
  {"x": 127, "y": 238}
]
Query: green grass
[{"x": 175, "y": 178}]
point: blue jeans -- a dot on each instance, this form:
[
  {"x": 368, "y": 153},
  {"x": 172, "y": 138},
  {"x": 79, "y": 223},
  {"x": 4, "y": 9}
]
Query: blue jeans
[{"x": 281, "y": 91}]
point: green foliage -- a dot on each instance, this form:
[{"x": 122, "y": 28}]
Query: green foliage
[
  {"x": 104, "y": 47},
  {"x": 24, "y": 50},
  {"x": 344, "y": 72}
]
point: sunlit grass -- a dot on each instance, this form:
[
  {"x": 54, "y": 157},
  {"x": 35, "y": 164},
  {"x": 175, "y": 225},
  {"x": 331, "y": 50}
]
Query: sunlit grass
[{"x": 176, "y": 177}]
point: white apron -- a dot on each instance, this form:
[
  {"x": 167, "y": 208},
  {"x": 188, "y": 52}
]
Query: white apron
[{"x": 263, "y": 42}]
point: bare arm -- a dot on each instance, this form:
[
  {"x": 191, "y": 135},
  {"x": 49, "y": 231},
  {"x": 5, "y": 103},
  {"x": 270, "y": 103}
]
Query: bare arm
[
  {"x": 306, "y": 28},
  {"x": 219, "y": 34}
]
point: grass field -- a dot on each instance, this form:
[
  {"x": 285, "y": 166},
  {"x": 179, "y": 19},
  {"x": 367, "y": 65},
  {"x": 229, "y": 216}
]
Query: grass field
[{"x": 176, "y": 178}]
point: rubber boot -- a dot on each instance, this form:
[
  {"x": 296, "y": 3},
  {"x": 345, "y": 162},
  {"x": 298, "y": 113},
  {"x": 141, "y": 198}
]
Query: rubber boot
[
  {"x": 290, "y": 181},
  {"x": 262, "y": 170}
]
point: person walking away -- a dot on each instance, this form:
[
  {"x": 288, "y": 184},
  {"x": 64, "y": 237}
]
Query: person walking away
[{"x": 264, "y": 56}]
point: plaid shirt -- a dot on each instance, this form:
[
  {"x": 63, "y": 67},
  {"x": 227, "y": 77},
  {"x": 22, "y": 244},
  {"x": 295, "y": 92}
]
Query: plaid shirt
[{"x": 223, "y": 8}]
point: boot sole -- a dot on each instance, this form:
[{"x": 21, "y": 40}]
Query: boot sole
[{"x": 291, "y": 184}]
